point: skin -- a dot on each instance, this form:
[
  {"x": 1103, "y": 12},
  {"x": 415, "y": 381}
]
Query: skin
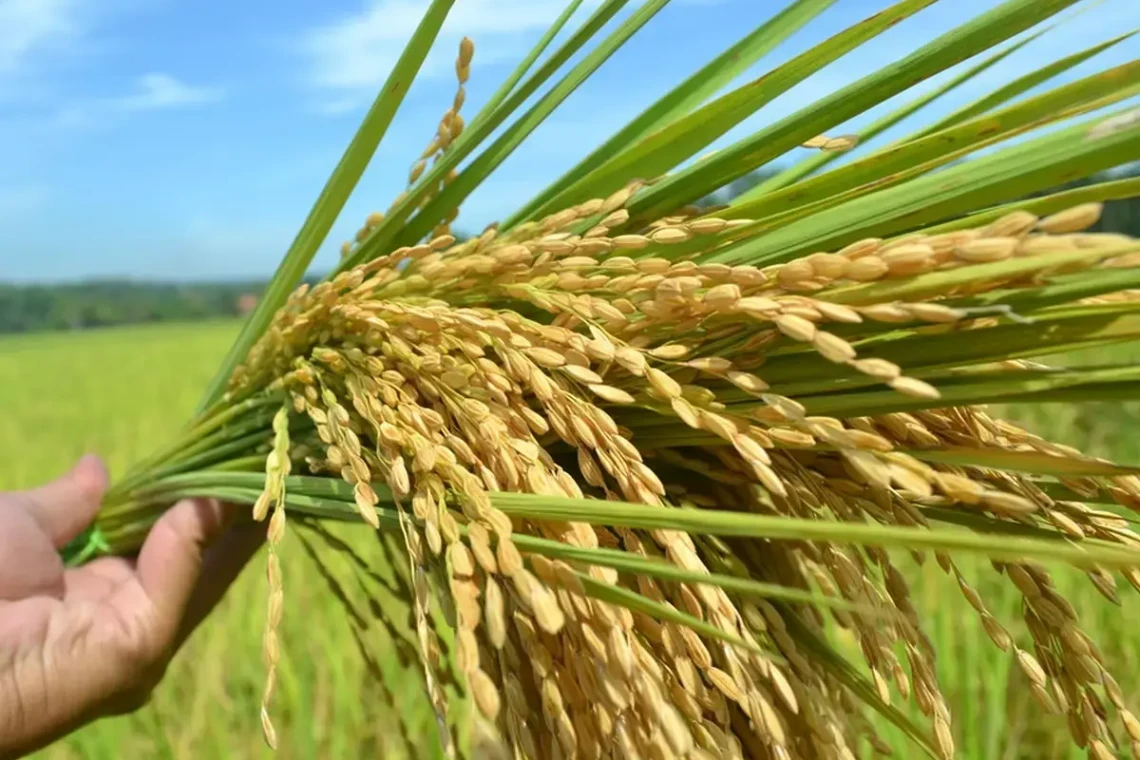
[{"x": 80, "y": 644}]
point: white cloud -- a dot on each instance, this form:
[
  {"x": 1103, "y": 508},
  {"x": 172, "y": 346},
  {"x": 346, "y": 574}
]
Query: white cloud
[
  {"x": 29, "y": 28},
  {"x": 157, "y": 90},
  {"x": 151, "y": 92},
  {"x": 356, "y": 52},
  {"x": 43, "y": 41}
]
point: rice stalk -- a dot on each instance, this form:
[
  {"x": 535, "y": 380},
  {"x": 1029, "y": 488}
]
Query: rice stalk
[{"x": 638, "y": 463}]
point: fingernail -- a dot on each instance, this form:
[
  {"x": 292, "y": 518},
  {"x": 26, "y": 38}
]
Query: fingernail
[{"x": 92, "y": 469}]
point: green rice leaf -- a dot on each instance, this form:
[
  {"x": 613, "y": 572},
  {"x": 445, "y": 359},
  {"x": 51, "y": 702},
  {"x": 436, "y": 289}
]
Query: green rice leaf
[
  {"x": 721, "y": 523},
  {"x": 899, "y": 164},
  {"x": 1021, "y": 85},
  {"x": 690, "y": 134},
  {"x": 1078, "y": 151},
  {"x": 813, "y": 164},
  {"x": 977, "y": 35},
  {"x": 236, "y": 487},
  {"x": 682, "y": 99},
  {"x": 511, "y": 82}
]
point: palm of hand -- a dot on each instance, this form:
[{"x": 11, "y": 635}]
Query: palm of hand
[{"x": 78, "y": 644}]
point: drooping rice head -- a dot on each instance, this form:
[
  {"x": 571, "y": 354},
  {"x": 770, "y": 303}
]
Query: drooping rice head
[
  {"x": 635, "y": 461},
  {"x": 836, "y": 386}
]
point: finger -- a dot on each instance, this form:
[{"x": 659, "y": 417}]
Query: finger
[
  {"x": 67, "y": 505},
  {"x": 221, "y": 565},
  {"x": 29, "y": 564},
  {"x": 170, "y": 561}
]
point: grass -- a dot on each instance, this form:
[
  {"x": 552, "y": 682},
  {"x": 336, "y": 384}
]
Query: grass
[{"x": 122, "y": 392}]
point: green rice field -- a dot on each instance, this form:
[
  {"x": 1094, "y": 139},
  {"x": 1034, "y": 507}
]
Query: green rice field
[{"x": 122, "y": 392}]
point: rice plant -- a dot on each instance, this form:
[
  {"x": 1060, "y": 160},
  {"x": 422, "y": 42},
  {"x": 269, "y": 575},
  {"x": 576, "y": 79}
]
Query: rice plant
[{"x": 635, "y": 461}]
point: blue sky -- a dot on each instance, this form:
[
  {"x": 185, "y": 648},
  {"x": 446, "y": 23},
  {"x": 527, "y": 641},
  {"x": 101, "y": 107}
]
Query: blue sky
[{"x": 186, "y": 139}]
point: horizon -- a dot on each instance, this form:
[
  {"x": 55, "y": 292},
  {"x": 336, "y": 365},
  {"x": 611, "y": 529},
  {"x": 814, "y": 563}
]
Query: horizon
[{"x": 145, "y": 142}]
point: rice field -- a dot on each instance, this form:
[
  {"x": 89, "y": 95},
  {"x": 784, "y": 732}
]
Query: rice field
[{"x": 122, "y": 392}]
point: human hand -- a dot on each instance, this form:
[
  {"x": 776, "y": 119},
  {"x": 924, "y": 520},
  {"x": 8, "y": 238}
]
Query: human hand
[{"x": 80, "y": 644}]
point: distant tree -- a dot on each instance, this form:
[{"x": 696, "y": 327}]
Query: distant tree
[
  {"x": 737, "y": 187},
  {"x": 75, "y": 306}
]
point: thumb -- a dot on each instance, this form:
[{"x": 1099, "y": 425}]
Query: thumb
[
  {"x": 68, "y": 504},
  {"x": 170, "y": 561}
]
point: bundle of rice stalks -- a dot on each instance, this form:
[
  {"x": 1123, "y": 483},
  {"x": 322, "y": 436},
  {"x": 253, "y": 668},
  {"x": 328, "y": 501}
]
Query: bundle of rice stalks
[{"x": 634, "y": 461}]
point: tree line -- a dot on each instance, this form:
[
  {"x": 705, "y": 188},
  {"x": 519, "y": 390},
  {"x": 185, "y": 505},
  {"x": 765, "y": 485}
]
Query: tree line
[{"x": 73, "y": 306}]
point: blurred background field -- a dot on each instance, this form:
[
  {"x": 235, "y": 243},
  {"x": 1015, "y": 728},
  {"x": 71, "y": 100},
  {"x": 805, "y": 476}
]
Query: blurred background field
[{"x": 121, "y": 391}]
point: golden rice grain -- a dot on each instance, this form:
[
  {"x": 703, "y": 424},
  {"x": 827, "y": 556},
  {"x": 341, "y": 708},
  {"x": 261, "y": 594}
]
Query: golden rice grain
[
  {"x": 1013, "y": 224},
  {"x": 663, "y": 383},
  {"x": 1008, "y": 503},
  {"x": 630, "y": 241},
  {"x": 707, "y": 226},
  {"x": 829, "y": 266},
  {"x": 794, "y": 272},
  {"x": 860, "y": 248},
  {"x": 832, "y": 347},
  {"x": 843, "y": 142},
  {"x": 867, "y": 268},
  {"x": 1072, "y": 219},
  {"x": 987, "y": 249},
  {"x": 670, "y": 351},
  {"x": 726, "y": 684},
  {"x": 485, "y": 694},
  {"x": 611, "y": 394},
  {"x": 796, "y": 328},
  {"x": 912, "y": 386},
  {"x": 758, "y": 305},
  {"x": 934, "y": 312},
  {"x": 905, "y": 253},
  {"x": 670, "y": 235},
  {"x": 1098, "y": 750},
  {"x": 583, "y": 374},
  {"x": 878, "y": 368}
]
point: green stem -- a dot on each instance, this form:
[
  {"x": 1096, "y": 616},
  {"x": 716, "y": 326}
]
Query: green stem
[
  {"x": 193, "y": 439},
  {"x": 326, "y": 498},
  {"x": 197, "y": 445}
]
